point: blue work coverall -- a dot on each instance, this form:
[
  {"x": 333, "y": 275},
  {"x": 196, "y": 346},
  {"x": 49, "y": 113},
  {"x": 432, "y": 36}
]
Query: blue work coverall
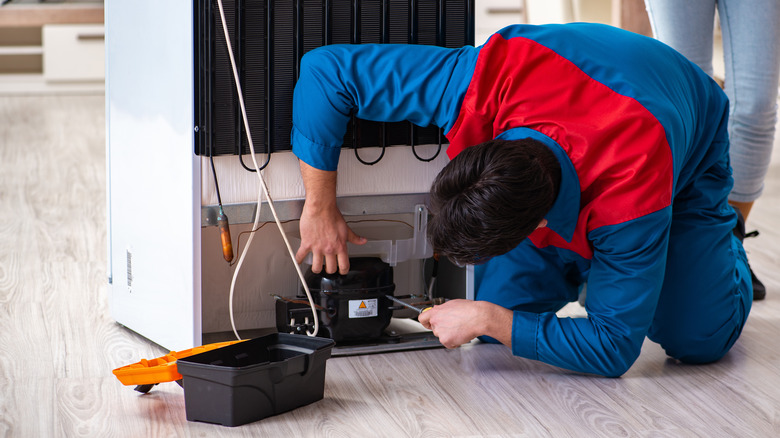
[{"x": 641, "y": 215}]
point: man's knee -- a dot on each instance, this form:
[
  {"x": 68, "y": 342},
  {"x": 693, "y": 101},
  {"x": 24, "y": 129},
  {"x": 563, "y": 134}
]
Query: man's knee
[
  {"x": 701, "y": 337},
  {"x": 696, "y": 348},
  {"x": 699, "y": 317}
]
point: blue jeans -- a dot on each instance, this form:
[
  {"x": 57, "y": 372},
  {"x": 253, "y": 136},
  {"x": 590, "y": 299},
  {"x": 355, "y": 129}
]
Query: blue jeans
[{"x": 751, "y": 46}]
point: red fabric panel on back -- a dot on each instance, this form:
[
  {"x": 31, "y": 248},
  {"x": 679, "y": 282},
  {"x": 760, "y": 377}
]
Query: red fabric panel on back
[{"x": 616, "y": 145}]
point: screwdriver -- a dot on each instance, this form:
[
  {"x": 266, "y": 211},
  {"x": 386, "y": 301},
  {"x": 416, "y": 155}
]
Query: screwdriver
[{"x": 407, "y": 305}]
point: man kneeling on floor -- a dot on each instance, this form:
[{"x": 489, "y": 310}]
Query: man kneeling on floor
[{"x": 580, "y": 153}]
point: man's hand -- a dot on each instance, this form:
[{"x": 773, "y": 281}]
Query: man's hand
[
  {"x": 457, "y": 322},
  {"x": 324, "y": 232}
]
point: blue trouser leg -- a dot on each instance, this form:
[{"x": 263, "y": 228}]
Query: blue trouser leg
[
  {"x": 705, "y": 301},
  {"x": 707, "y": 291}
]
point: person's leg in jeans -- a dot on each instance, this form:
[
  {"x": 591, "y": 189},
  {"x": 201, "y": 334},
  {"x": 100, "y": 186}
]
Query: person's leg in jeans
[
  {"x": 751, "y": 46},
  {"x": 687, "y": 26}
]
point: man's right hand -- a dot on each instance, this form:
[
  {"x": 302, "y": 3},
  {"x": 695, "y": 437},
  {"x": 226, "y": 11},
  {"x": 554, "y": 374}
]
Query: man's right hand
[{"x": 324, "y": 232}]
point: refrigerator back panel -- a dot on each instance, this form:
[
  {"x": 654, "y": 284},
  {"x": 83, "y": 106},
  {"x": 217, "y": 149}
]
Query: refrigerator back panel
[{"x": 269, "y": 38}]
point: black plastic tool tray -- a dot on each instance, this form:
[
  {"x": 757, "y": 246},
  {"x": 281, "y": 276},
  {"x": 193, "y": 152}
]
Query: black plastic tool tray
[{"x": 254, "y": 379}]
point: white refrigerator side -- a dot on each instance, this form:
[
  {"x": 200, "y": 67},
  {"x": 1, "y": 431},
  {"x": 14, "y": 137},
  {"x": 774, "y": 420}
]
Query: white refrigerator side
[{"x": 153, "y": 174}]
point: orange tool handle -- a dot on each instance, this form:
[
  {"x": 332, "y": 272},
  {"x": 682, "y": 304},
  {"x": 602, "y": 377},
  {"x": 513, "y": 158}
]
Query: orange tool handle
[
  {"x": 161, "y": 369},
  {"x": 224, "y": 235}
]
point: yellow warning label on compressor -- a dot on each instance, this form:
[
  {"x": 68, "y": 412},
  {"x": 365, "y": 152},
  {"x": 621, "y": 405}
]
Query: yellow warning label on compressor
[{"x": 363, "y": 308}]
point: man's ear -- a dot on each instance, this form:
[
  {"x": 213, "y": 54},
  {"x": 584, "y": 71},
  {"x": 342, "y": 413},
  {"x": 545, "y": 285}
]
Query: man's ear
[{"x": 542, "y": 224}]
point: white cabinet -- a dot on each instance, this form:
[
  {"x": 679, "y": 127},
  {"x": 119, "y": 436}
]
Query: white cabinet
[
  {"x": 492, "y": 15},
  {"x": 73, "y": 52},
  {"x": 52, "y": 48}
]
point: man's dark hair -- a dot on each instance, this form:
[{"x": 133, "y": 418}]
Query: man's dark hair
[{"x": 490, "y": 197}]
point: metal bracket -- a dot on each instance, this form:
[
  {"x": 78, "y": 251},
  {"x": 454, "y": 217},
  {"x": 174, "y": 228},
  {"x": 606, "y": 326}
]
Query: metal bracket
[{"x": 288, "y": 209}]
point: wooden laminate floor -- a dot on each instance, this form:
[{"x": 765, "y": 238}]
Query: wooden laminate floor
[{"x": 58, "y": 343}]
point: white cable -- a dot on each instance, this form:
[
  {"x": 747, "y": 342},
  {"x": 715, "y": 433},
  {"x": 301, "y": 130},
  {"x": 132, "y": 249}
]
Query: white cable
[
  {"x": 262, "y": 186},
  {"x": 241, "y": 261}
]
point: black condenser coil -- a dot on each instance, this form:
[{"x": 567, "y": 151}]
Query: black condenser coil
[{"x": 269, "y": 38}]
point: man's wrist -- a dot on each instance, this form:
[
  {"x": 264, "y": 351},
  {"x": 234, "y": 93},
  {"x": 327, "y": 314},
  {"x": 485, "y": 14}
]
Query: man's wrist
[
  {"x": 495, "y": 322},
  {"x": 319, "y": 206}
]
